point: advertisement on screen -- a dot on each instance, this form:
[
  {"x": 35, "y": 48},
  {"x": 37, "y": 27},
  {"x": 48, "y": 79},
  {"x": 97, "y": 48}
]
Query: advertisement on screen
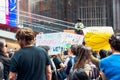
[
  {"x": 7, "y": 11},
  {"x": 12, "y": 13},
  {"x": 2, "y": 12}
]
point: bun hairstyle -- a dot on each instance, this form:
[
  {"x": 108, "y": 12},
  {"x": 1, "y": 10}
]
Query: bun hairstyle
[{"x": 114, "y": 41}]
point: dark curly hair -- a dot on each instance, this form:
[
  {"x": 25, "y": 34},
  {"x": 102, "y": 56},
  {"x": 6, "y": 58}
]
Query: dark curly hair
[{"x": 114, "y": 41}]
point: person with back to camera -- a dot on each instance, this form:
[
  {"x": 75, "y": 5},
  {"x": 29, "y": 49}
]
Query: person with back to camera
[
  {"x": 84, "y": 62},
  {"x": 102, "y": 53},
  {"x": 29, "y": 62},
  {"x": 109, "y": 66}
]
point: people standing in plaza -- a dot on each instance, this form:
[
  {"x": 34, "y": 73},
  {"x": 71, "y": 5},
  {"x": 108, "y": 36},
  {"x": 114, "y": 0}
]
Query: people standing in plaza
[
  {"x": 5, "y": 61},
  {"x": 79, "y": 26},
  {"x": 109, "y": 66},
  {"x": 29, "y": 62}
]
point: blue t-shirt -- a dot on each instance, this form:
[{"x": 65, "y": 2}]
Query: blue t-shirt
[
  {"x": 111, "y": 67},
  {"x": 70, "y": 64},
  {"x": 29, "y": 63}
]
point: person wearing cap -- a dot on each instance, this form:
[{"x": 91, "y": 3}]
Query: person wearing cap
[{"x": 79, "y": 26}]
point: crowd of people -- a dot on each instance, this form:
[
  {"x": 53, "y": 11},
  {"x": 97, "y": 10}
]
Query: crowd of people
[{"x": 79, "y": 62}]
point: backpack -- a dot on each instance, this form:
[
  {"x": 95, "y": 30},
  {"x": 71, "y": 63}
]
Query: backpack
[
  {"x": 94, "y": 73},
  {"x": 1, "y": 71}
]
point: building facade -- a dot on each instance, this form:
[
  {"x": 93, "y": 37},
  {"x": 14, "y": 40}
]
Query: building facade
[{"x": 62, "y": 14}]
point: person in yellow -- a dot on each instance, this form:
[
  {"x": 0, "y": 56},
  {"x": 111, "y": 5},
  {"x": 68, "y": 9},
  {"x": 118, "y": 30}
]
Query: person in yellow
[{"x": 78, "y": 27}]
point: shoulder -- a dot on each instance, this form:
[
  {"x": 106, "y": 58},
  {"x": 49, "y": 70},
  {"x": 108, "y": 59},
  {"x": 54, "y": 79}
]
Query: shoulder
[
  {"x": 87, "y": 67},
  {"x": 105, "y": 60},
  {"x": 18, "y": 53},
  {"x": 40, "y": 49},
  {"x": 57, "y": 59}
]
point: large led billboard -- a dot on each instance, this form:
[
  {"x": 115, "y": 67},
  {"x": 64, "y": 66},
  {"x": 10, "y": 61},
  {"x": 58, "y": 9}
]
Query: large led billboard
[
  {"x": 12, "y": 13},
  {"x": 2, "y": 11},
  {"x": 8, "y": 12}
]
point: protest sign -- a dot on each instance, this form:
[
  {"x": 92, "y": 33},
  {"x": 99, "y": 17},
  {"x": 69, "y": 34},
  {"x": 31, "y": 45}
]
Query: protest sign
[{"x": 58, "y": 41}]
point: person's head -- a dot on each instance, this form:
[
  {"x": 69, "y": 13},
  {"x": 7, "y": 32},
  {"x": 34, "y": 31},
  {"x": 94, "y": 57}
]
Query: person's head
[
  {"x": 25, "y": 36},
  {"x": 80, "y": 74},
  {"x": 102, "y": 53},
  {"x": 79, "y": 20},
  {"x": 114, "y": 42},
  {"x": 47, "y": 48},
  {"x": 3, "y": 46},
  {"x": 94, "y": 53},
  {"x": 65, "y": 52},
  {"x": 72, "y": 50},
  {"x": 84, "y": 53}
]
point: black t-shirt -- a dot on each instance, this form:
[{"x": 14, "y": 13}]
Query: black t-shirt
[
  {"x": 57, "y": 62},
  {"x": 29, "y": 63}
]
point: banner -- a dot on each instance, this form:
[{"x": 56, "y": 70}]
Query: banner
[
  {"x": 58, "y": 41},
  {"x": 97, "y": 37}
]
